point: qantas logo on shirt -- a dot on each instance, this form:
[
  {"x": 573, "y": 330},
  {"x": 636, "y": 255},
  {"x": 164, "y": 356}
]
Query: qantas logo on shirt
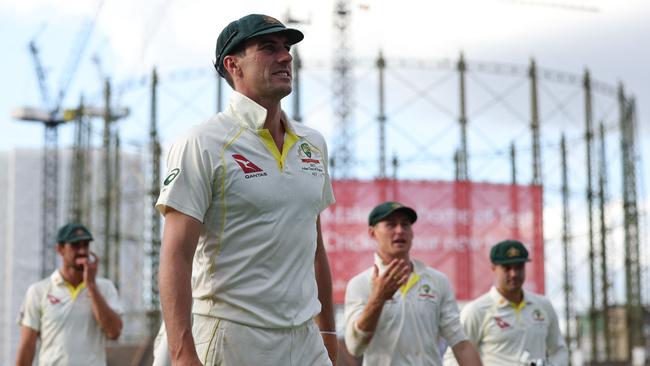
[
  {"x": 250, "y": 170},
  {"x": 53, "y": 299},
  {"x": 501, "y": 323}
]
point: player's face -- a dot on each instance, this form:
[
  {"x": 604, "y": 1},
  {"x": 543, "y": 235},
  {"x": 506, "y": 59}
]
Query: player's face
[
  {"x": 71, "y": 252},
  {"x": 266, "y": 68},
  {"x": 394, "y": 236},
  {"x": 510, "y": 277}
]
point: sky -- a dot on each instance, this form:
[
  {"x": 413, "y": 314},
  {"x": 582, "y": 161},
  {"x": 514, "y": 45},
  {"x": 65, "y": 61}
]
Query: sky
[
  {"x": 130, "y": 38},
  {"x": 609, "y": 37}
]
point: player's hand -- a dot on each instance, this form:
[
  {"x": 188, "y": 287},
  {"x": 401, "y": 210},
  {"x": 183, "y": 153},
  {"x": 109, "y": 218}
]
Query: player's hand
[
  {"x": 395, "y": 276},
  {"x": 90, "y": 264}
]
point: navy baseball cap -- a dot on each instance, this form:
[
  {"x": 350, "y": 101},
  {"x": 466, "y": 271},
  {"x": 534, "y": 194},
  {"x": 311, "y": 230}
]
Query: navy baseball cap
[
  {"x": 382, "y": 211},
  {"x": 72, "y": 233},
  {"x": 245, "y": 28}
]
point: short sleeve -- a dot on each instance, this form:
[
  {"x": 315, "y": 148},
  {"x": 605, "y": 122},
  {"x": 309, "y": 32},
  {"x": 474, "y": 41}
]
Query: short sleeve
[
  {"x": 31, "y": 310},
  {"x": 450, "y": 327},
  {"x": 472, "y": 317},
  {"x": 556, "y": 348},
  {"x": 356, "y": 298},
  {"x": 187, "y": 186}
]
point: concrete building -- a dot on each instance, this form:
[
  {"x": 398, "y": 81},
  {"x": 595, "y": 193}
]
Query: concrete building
[{"x": 20, "y": 235}]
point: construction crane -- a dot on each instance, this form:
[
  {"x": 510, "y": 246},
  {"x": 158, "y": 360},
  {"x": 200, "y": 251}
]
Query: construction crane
[
  {"x": 52, "y": 116},
  {"x": 342, "y": 90}
]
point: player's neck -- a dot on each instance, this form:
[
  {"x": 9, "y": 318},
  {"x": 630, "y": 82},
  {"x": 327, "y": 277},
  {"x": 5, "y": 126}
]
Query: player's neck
[
  {"x": 274, "y": 124},
  {"x": 273, "y": 119},
  {"x": 387, "y": 259},
  {"x": 514, "y": 296},
  {"x": 71, "y": 275}
]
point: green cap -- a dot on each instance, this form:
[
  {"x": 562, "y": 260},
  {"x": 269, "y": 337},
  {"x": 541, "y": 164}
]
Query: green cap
[
  {"x": 245, "y": 28},
  {"x": 383, "y": 210},
  {"x": 72, "y": 233},
  {"x": 509, "y": 252}
]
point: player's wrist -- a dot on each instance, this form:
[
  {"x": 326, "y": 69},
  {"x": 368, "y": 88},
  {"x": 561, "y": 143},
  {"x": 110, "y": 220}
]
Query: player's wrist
[
  {"x": 376, "y": 302},
  {"x": 92, "y": 289},
  {"x": 365, "y": 334}
]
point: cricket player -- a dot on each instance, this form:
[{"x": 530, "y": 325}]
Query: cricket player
[
  {"x": 72, "y": 312},
  {"x": 396, "y": 310},
  {"x": 241, "y": 202},
  {"x": 509, "y": 325}
]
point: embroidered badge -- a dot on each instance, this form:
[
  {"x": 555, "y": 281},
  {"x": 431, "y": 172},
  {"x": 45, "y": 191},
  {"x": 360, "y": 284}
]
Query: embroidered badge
[
  {"x": 311, "y": 160},
  {"x": 426, "y": 292},
  {"x": 513, "y": 252}
]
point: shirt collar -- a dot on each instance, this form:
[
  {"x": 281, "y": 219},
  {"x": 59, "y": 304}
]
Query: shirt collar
[
  {"x": 380, "y": 263},
  {"x": 502, "y": 301},
  {"x": 57, "y": 279},
  {"x": 251, "y": 114},
  {"x": 417, "y": 265}
]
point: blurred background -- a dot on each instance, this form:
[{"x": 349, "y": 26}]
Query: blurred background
[{"x": 548, "y": 95}]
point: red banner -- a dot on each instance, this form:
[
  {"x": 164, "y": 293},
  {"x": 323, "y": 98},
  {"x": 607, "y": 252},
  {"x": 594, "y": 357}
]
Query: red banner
[{"x": 457, "y": 224}]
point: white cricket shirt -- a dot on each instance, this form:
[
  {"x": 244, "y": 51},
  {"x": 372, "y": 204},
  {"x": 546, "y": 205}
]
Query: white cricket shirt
[
  {"x": 63, "y": 315},
  {"x": 410, "y": 323},
  {"x": 254, "y": 263},
  {"x": 502, "y": 332}
]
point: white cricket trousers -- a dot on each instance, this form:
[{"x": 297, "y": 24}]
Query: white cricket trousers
[{"x": 221, "y": 342}]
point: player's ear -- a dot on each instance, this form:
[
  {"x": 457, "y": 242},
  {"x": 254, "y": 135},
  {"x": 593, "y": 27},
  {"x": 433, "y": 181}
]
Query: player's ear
[
  {"x": 230, "y": 63},
  {"x": 371, "y": 231}
]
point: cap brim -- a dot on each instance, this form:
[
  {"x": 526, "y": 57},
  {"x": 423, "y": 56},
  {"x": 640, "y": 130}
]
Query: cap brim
[
  {"x": 81, "y": 238},
  {"x": 293, "y": 35},
  {"x": 512, "y": 261},
  {"x": 407, "y": 210}
]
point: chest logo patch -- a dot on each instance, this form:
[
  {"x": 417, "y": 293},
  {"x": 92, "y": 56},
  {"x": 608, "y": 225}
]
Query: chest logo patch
[
  {"x": 501, "y": 323},
  {"x": 311, "y": 160},
  {"x": 53, "y": 299},
  {"x": 426, "y": 292},
  {"x": 307, "y": 155},
  {"x": 306, "y": 149},
  {"x": 538, "y": 316}
]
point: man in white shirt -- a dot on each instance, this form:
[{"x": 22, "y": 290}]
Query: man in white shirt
[
  {"x": 509, "y": 325},
  {"x": 241, "y": 202},
  {"x": 72, "y": 312},
  {"x": 396, "y": 310}
]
